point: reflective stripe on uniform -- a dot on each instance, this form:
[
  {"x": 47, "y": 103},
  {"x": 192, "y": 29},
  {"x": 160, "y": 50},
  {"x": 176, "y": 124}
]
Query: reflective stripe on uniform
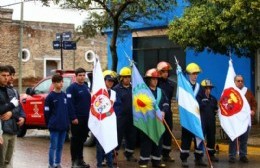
[
  {"x": 210, "y": 149},
  {"x": 155, "y": 157},
  {"x": 145, "y": 158},
  {"x": 166, "y": 147},
  {"x": 129, "y": 150},
  {"x": 185, "y": 151},
  {"x": 199, "y": 151}
]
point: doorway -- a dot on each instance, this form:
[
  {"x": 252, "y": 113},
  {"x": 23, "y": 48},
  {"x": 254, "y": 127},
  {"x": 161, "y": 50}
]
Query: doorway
[{"x": 51, "y": 64}]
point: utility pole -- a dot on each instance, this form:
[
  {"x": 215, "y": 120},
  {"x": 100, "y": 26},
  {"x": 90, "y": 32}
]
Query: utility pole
[
  {"x": 61, "y": 51},
  {"x": 21, "y": 49}
]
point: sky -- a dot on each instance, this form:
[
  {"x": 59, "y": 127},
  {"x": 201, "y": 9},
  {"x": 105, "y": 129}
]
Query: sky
[{"x": 35, "y": 11}]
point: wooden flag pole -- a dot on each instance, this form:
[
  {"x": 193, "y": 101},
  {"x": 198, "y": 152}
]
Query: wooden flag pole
[
  {"x": 207, "y": 152},
  {"x": 168, "y": 128},
  {"x": 116, "y": 158}
]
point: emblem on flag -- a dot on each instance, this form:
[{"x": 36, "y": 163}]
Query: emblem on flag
[
  {"x": 101, "y": 105},
  {"x": 231, "y": 102}
]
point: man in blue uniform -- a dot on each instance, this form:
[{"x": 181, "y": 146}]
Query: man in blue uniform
[
  {"x": 208, "y": 110},
  {"x": 148, "y": 149},
  {"x": 186, "y": 136},
  {"x": 124, "y": 113},
  {"x": 79, "y": 101},
  {"x": 167, "y": 86}
]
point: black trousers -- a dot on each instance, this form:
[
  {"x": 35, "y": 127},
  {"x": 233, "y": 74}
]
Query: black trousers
[
  {"x": 127, "y": 130},
  {"x": 148, "y": 149},
  {"x": 79, "y": 135},
  {"x": 209, "y": 131},
  {"x": 167, "y": 139},
  {"x": 186, "y": 139}
]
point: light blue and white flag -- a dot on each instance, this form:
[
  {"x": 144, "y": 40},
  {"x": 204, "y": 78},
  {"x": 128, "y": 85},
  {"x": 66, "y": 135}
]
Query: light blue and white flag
[{"x": 188, "y": 107}]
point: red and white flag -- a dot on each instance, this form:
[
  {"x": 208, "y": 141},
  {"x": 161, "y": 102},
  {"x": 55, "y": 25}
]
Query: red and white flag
[
  {"x": 102, "y": 118},
  {"x": 234, "y": 111}
]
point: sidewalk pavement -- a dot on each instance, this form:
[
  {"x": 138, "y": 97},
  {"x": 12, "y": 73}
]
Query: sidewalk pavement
[{"x": 253, "y": 140}]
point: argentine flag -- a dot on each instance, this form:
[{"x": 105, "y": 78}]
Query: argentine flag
[{"x": 188, "y": 107}]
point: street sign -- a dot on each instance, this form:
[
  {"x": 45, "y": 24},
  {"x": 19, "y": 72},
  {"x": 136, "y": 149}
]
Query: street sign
[
  {"x": 56, "y": 45},
  {"x": 66, "y": 36},
  {"x": 69, "y": 45},
  {"x": 58, "y": 36}
]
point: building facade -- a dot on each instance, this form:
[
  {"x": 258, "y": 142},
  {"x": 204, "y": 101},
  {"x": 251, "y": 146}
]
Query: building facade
[
  {"x": 39, "y": 58},
  {"x": 147, "y": 43}
]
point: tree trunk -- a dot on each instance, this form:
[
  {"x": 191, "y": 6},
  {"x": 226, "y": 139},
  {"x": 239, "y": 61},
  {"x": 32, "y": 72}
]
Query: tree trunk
[
  {"x": 114, "y": 56},
  {"x": 113, "y": 46}
]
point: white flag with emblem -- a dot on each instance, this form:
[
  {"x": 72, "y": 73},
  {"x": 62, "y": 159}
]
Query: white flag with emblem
[
  {"x": 102, "y": 118},
  {"x": 234, "y": 111}
]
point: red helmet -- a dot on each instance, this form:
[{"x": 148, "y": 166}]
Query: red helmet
[
  {"x": 164, "y": 66},
  {"x": 152, "y": 73}
]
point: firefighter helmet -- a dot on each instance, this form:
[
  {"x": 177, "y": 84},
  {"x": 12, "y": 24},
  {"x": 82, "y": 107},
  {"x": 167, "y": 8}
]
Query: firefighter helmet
[
  {"x": 164, "y": 66},
  {"x": 206, "y": 83},
  {"x": 110, "y": 72},
  {"x": 152, "y": 73},
  {"x": 193, "y": 68},
  {"x": 125, "y": 71},
  {"x": 109, "y": 75}
]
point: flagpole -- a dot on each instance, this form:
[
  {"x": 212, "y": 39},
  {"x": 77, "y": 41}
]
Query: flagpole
[
  {"x": 116, "y": 158},
  {"x": 177, "y": 62},
  {"x": 207, "y": 152},
  {"x": 130, "y": 60},
  {"x": 168, "y": 128}
]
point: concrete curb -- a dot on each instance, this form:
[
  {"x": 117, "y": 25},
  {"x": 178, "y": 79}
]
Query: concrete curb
[{"x": 251, "y": 150}]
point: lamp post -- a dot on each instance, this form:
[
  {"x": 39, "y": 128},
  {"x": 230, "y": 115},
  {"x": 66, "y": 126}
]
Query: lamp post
[{"x": 21, "y": 49}]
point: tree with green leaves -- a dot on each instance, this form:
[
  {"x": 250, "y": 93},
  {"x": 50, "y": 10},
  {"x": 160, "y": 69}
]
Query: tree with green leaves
[
  {"x": 220, "y": 26},
  {"x": 116, "y": 16}
]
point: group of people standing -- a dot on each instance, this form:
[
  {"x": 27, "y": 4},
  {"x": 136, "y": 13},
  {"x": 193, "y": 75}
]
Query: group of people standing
[
  {"x": 72, "y": 108},
  {"x": 12, "y": 115},
  {"x": 208, "y": 105}
]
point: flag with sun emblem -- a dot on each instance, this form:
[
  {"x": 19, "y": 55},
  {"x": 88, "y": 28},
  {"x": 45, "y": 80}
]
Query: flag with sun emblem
[
  {"x": 234, "y": 111},
  {"x": 188, "y": 107},
  {"x": 102, "y": 118},
  {"x": 146, "y": 113}
]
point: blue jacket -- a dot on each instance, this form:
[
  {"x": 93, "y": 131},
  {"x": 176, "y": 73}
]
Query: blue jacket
[
  {"x": 168, "y": 87},
  {"x": 79, "y": 100},
  {"x": 56, "y": 111},
  {"x": 123, "y": 103},
  {"x": 10, "y": 126}
]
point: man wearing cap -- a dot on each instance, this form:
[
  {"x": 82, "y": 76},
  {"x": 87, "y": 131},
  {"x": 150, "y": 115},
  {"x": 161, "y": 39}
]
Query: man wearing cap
[
  {"x": 208, "y": 110},
  {"x": 186, "y": 136},
  {"x": 109, "y": 77},
  {"x": 148, "y": 149},
  {"x": 124, "y": 113},
  {"x": 167, "y": 86}
]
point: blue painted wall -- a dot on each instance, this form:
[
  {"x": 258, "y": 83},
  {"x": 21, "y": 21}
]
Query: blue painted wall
[{"x": 214, "y": 66}]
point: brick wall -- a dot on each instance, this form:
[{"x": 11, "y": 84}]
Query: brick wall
[{"x": 37, "y": 38}]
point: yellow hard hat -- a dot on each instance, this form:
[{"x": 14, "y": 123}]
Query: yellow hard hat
[
  {"x": 206, "y": 83},
  {"x": 110, "y": 72},
  {"x": 164, "y": 66},
  {"x": 125, "y": 71},
  {"x": 152, "y": 73},
  {"x": 193, "y": 68}
]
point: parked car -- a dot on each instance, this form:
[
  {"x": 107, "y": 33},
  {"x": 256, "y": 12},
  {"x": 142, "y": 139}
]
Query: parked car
[{"x": 34, "y": 98}]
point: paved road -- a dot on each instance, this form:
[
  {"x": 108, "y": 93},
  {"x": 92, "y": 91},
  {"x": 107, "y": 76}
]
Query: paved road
[{"x": 32, "y": 152}]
